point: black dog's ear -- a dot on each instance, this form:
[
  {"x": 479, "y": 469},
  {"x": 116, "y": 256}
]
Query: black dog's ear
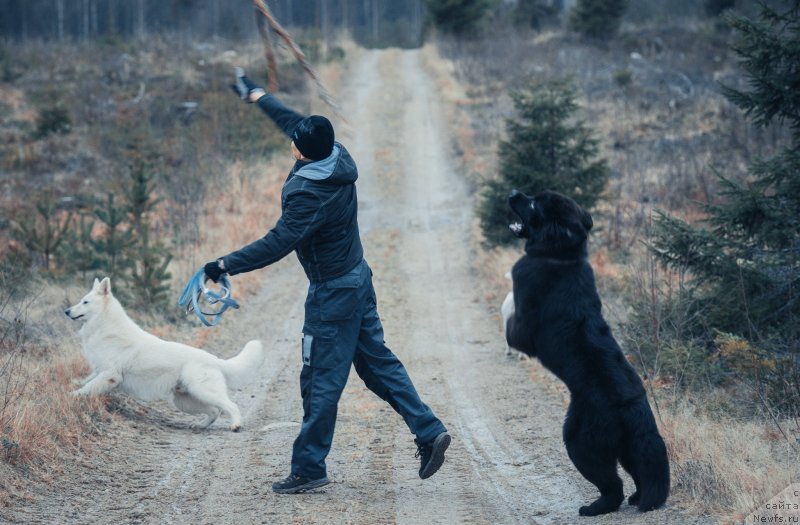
[{"x": 586, "y": 221}]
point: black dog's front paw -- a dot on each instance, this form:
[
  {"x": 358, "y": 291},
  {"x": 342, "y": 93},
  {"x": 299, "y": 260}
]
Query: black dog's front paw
[{"x": 634, "y": 499}]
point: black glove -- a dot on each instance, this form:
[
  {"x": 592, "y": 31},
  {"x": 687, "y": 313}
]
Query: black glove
[
  {"x": 244, "y": 86},
  {"x": 213, "y": 270}
]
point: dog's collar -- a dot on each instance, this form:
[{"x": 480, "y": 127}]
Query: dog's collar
[{"x": 559, "y": 262}]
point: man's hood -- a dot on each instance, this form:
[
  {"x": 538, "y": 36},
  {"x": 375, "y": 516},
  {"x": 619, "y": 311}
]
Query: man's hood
[{"x": 338, "y": 168}]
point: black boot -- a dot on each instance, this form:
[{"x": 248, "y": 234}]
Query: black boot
[{"x": 431, "y": 454}]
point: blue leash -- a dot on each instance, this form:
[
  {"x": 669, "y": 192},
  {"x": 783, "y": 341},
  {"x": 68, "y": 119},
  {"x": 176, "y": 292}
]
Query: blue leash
[{"x": 196, "y": 288}]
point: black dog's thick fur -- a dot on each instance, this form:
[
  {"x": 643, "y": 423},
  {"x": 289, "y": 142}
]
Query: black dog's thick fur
[{"x": 557, "y": 318}]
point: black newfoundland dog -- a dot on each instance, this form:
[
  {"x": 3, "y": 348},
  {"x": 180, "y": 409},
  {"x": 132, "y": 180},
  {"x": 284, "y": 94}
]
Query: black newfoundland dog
[{"x": 557, "y": 319}]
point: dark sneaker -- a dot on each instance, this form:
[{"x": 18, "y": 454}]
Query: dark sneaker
[
  {"x": 295, "y": 484},
  {"x": 431, "y": 455}
]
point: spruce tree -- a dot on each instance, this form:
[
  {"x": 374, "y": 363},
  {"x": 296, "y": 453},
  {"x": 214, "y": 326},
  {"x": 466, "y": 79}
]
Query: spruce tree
[
  {"x": 598, "y": 19},
  {"x": 149, "y": 257},
  {"x": 116, "y": 238},
  {"x": 79, "y": 253},
  {"x": 717, "y": 7},
  {"x": 458, "y": 16},
  {"x": 545, "y": 150},
  {"x": 746, "y": 261},
  {"x": 43, "y": 229}
]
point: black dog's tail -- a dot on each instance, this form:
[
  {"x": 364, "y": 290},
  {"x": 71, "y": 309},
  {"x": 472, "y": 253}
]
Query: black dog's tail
[{"x": 652, "y": 469}]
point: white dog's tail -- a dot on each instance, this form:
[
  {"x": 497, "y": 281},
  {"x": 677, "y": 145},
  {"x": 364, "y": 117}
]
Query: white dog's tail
[{"x": 240, "y": 368}]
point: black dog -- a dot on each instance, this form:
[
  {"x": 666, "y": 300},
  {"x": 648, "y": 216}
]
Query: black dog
[{"x": 557, "y": 319}]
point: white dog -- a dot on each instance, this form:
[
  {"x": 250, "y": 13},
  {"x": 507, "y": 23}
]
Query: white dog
[
  {"x": 507, "y": 310},
  {"x": 124, "y": 356}
]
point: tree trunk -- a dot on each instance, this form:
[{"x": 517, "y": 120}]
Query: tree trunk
[
  {"x": 375, "y": 22},
  {"x": 93, "y": 17},
  {"x": 325, "y": 23},
  {"x": 85, "y": 20},
  {"x": 417, "y": 20},
  {"x": 215, "y": 18},
  {"x": 60, "y": 19},
  {"x": 112, "y": 21},
  {"x": 140, "y": 19}
]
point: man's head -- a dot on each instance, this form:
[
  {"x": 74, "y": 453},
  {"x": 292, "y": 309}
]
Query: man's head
[{"x": 313, "y": 137}]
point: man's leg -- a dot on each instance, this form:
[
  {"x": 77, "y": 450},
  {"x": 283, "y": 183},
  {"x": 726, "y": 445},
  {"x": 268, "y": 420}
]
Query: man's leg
[
  {"x": 384, "y": 374},
  {"x": 321, "y": 389},
  {"x": 330, "y": 334}
]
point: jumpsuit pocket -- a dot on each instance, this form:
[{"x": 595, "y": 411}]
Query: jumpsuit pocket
[
  {"x": 319, "y": 346},
  {"x": 338, "y": 298}
]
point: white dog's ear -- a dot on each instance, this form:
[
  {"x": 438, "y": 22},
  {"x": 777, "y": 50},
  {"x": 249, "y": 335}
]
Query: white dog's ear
[
  {"x": 105, "y": 286},
  {"x": 96, "y": 282}
]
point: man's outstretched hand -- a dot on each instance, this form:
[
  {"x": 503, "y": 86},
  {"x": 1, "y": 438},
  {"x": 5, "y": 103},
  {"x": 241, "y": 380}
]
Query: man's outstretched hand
[
  {"x": 213, "y": 270},
  {"x": 246, "y": 88}
]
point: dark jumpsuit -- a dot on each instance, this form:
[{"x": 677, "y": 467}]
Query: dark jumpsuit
[{"x": 319, "y": 222}]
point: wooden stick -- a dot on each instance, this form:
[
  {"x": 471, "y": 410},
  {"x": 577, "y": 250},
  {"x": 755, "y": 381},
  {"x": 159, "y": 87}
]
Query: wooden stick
[
  {"x": 269, "y": 52},
  {"x": 261, "y": 7}
]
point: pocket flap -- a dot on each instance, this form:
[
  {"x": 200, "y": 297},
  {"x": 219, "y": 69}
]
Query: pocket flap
[
  {"x": 319, "y": 349},
  {"x": 351, "y": 279}
]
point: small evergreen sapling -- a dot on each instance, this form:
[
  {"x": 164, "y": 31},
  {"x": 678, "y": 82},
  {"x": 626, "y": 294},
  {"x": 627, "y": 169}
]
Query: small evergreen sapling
[{"x": 545, "y": 149}]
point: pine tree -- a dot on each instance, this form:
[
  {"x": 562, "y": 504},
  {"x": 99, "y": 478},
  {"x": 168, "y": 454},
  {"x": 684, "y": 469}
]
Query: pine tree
[
  {"x": 115, "y": 240},
  {"x": 543, "y": 151},
  {"x": 532, "y": 13},
  {"x": 79, "y": 253},
  {"x": 458, "y": 16},
  {"x": 43, "y": 229},
  {"x": 149, "y": 257},
  {"x": 746, "y": 261},
  {"x": 598, "y": 19},
  {"x": 717, "y": 7}
]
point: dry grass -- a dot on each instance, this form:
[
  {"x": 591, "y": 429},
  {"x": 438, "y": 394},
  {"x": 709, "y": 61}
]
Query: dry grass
[
  {"x": 724, "y": 466},
  {"x": 44, "y": 428}
]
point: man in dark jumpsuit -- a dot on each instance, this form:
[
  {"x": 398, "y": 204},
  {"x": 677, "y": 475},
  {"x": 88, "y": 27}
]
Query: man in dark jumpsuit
[{"x": 319, "y": 223}]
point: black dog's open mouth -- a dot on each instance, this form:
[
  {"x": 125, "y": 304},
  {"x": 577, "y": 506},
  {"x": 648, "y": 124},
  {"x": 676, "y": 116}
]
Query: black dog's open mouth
[{"x": 519, "y": 202}]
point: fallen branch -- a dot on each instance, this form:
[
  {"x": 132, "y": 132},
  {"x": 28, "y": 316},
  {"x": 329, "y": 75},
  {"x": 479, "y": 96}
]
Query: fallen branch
[
  {"x": 269, "y": 52},
  {"x": 262, "y": 8}
]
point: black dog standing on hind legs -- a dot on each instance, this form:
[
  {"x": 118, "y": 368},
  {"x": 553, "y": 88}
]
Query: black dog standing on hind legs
[{"x": 557, "y": 318}]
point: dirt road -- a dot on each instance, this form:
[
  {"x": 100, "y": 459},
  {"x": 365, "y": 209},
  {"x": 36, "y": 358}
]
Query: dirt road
[{"x": 507, "y": 463}]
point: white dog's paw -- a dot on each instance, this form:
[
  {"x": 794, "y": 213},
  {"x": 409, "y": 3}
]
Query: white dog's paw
[
  {"x": 236, "y": 428},
  {"x": 75, "y": 393}
]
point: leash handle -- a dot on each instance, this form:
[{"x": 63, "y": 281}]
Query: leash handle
[{"x": 196, "y": 288}]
